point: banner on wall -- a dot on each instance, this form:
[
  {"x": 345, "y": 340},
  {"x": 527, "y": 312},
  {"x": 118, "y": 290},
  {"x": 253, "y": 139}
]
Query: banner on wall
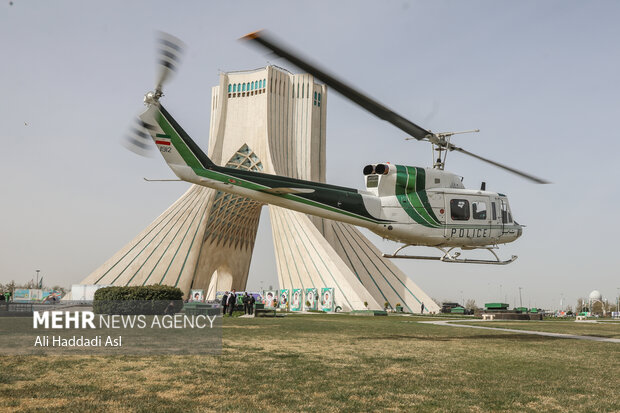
[
  {"x": 284, "y": 298},
  {"x": 49, "y": 296},
  {"x": 297, "y": 299},
  {"x": 21, "y": 294},
  {"x": 327, "y": 299},
  {"x": 270, "y": 298},
  {"x": 25, "y": 294},
  {"x": 312, "y": 298},
  {"x": 197, "y": 295}
]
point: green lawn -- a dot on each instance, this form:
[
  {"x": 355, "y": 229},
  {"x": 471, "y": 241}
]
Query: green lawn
[
  {"x": 609, "y": 329},
  {"x": 331, "y": 363}
]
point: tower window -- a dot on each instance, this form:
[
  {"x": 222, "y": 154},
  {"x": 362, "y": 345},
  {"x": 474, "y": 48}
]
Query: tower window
[{"x": 229, "y": 88}]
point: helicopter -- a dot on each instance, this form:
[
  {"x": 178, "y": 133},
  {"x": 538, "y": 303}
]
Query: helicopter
[{"x": 413, "y": 206}]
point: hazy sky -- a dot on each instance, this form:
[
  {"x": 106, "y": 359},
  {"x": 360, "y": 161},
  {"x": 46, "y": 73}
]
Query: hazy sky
[{"x": 540, "y": 79}]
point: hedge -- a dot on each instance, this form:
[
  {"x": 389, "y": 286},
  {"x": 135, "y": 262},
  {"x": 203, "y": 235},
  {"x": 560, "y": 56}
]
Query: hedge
[{"x": 148, "y": 299}]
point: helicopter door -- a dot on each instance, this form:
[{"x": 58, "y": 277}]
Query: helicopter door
[
  {"x": 481, "y": 216},
  {"x": 497, "y": 225}
]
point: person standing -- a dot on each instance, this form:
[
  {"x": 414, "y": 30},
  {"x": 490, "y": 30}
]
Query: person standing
[
  {"x": 232, "y": 300},
  {"x": 246, "y": 303},
  {"x": 224, "y": 303},
  {"x": 251, "y": 304},
  {"x": 422, "y": 309}
]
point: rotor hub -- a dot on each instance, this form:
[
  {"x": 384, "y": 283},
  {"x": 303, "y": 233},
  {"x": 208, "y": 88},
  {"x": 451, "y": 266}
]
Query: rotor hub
[{"x": 152, "y": 98}]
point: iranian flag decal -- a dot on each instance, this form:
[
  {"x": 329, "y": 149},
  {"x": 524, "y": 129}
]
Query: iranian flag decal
[{"x": 162, "y": 139}]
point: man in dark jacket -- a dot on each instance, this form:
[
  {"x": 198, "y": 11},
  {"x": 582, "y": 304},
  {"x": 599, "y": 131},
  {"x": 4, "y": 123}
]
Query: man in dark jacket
[
  {"x": 252, "y": 300},
  {"x": 232, "y": 300},
  {"x": 224, "y": 302},
  {"x": 246, "y": 303}
]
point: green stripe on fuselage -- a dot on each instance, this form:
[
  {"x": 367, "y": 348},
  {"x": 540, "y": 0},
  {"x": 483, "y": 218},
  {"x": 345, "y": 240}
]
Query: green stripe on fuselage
[
  {"x": 411, "y": 194},
  {"x": 187, "y": 155}
]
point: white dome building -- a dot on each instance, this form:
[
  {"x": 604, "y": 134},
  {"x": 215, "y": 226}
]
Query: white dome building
[{"x": 596, "y": 296}]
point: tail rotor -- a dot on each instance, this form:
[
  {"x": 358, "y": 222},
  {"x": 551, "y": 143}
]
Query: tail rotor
[
  {"x": 138, "y": 139},
  {"x": 169, "y": 56},
  {"x": 170, "y": 51}
]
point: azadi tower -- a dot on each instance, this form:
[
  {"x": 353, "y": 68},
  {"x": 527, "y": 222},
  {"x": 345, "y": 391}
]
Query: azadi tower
[{"x": 272, "y": 121}]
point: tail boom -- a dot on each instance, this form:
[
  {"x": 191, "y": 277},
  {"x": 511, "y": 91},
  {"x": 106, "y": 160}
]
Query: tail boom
[{"x": 191, "y": 164}]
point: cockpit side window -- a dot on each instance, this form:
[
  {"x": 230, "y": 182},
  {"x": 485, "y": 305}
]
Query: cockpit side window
[
  {"x": 479, "y": 210},
  {"x": 459, "y": 209},
  {"x": 506, "y": 215}
]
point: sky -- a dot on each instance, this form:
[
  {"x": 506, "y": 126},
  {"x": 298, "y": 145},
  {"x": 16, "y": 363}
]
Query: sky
[{"x": 539, "y": 79}]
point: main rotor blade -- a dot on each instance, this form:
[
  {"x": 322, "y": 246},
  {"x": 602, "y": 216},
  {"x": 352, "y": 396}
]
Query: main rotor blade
[
  {"x": 362, "y": 100},
  {"x": 499, "y": 165},
  {"x": 368, "y": 103}
]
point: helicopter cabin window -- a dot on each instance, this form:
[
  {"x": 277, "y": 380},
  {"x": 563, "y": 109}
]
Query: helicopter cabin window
[
  {"x": 459, "y": 209},
  {"x": 493, "y": 211},
  {"x": 372, "y": 181},
  {"x": 479, "y": 210}
]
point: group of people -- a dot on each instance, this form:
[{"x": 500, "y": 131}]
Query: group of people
[{"x": 229, "y": 300}]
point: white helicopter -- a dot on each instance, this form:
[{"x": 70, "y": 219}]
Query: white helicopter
[{"x": 410, "y": 205}]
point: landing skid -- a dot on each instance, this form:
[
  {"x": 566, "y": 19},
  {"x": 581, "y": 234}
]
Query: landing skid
[{"x": 449, "y": 256}]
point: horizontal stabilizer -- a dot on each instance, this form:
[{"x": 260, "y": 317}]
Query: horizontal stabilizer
[{"x": 280, "y": 191}]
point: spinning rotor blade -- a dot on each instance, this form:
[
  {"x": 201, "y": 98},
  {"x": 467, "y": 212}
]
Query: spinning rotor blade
[
  {"x": 169, "y": 57},
  {"x": 169, "y": 53},
  {"x": 138, "y": 139},
  {"x": 364, "y": 101},
  {"x": 368, "y": 103},
  {"x": 499, "y": 165}
]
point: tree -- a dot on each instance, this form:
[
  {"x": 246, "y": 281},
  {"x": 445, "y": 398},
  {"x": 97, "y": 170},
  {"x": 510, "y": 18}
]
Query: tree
[
  {"x": 581, "y": 305},
  {"x": 471, "y": 304},
  {"x": 61, "y": 290}
]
